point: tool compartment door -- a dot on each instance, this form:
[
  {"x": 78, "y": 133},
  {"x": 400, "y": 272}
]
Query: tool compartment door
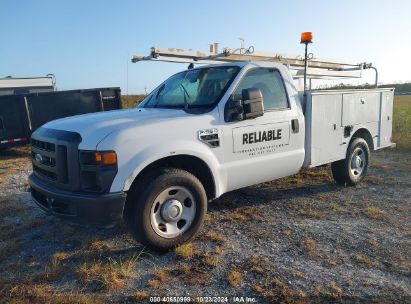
[
  {"x": 385, "y": 124},
  {"x": 360, "y": 108},
  {"x": 324, "y": 132}
]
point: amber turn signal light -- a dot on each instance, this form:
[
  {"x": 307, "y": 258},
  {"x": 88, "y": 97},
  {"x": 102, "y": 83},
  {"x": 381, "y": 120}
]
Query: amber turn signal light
[
  {"x": 106, "y": 158},
  {"x": 307, "y": 37},
  {"x": 98, "y": 157},
  {"x": 109, "y": 158}
]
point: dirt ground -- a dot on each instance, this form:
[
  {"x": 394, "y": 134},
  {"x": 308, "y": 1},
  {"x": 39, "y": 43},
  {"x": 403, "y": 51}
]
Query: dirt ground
[{"x": 299, "y": 239}]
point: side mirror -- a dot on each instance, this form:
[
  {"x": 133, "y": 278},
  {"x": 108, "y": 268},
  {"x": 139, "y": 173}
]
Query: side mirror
[
  {"x": 252, "y": 103},
  {"x": 251, "y": 106}
]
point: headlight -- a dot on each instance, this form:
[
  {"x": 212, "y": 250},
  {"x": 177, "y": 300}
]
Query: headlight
[{"x": 97, "y": 170}]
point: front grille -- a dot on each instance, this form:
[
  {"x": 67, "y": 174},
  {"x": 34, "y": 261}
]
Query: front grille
[
  {"x": 49, "y": 161},
  {"x": 45, "y": 173},
  {"x": 43, "y": 145},
  {"x": 62, "y": 156},
  {"x": 55, "y": 158}
]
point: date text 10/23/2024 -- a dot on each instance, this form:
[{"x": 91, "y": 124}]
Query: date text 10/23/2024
[{"x": 188, "y": 299}]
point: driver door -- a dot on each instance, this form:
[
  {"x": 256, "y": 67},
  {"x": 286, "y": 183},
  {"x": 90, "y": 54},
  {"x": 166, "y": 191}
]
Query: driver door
[{"x": 264, "y": 148}]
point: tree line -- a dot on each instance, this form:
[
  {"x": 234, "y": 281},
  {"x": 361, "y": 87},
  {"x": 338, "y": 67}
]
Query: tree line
[{"x": 400, "y": 88}]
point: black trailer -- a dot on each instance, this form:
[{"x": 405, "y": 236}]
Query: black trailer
[{"x": 22, "y": 114}]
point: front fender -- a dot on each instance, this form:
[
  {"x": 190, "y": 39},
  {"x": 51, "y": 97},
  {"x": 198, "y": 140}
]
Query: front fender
[{"x": 131, "y": 166}]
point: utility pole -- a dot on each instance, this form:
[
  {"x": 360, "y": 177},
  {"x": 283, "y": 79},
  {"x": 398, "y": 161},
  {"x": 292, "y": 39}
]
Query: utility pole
[{"x": 127, "y": 74}]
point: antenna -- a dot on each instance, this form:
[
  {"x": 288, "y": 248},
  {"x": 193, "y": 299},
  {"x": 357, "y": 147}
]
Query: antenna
[{"x": 242, "y": 43}]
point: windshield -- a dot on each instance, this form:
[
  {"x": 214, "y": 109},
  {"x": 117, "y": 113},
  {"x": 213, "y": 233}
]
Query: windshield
[{"x": 194, "y": 88}]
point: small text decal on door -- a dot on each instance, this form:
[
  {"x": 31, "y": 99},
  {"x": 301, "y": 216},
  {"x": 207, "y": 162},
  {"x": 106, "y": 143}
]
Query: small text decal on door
[{"x": 261, "y": 139}]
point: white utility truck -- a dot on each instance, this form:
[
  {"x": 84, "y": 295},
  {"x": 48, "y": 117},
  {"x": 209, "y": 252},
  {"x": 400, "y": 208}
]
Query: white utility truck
[{"x": 237, "y": 121}]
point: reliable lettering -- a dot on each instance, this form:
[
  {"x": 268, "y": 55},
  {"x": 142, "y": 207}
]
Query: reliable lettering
[{"x": 261, "y": 136}]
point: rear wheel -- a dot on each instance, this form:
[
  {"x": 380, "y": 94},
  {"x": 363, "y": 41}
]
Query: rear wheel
[
  {"x": 169, "y": 211},
  {"x": 352, "y": 169}
]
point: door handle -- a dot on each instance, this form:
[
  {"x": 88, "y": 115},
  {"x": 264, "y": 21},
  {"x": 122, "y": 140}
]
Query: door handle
[{"x": 295, "y": 126}]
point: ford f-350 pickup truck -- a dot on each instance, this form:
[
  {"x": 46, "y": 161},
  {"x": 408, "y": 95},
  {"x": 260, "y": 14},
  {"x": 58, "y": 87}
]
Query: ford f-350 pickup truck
[{"x": 201, "y": 133}]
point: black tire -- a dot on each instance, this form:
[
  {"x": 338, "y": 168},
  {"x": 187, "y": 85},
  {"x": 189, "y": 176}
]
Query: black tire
[
  {"x": 344, "y": 172},
  {"x": 143, "y": 199}
]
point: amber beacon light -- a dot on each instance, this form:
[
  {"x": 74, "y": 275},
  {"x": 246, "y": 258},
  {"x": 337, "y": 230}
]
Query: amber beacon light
[{"x": 306, "y": 37}]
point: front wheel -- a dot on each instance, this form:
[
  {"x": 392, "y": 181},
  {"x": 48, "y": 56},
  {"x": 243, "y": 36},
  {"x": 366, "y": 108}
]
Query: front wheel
[
  {"x": 170, "y": 210},
  {"x": 353, "y": 168}
]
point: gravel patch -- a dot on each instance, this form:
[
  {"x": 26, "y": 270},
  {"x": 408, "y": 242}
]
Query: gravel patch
[{"x": 298, "y": 239}]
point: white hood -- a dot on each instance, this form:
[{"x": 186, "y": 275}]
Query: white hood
[{"x": 96, "y": 126}]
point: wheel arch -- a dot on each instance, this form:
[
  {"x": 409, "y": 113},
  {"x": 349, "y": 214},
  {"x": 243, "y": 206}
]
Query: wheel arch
[
  {"x": 366, "y": 135},
  {"x": 189, "y": 163}
]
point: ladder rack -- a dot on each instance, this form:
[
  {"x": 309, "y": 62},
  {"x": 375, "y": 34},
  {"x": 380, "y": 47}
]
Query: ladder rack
[{"x": 317, "y": 68}]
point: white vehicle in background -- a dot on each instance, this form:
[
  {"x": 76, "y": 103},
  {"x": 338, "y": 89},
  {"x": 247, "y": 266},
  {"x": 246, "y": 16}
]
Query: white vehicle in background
[
  {"x": 25, "y": 85},
  {"x": 201, "y": 133}
]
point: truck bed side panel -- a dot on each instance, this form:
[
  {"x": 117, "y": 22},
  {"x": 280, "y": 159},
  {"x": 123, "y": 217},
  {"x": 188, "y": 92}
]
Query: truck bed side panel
[{"x": 333, "y": 117}]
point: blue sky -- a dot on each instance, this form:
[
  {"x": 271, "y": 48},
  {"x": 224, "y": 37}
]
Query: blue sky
[{"x": 89, "y": 43}]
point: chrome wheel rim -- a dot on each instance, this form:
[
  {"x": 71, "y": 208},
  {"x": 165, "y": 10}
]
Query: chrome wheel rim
[
  {"x": 172, "y": 212},
  {"x": 358, "y": 162}
]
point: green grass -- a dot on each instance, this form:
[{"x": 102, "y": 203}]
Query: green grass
[{"x": 402, "y": 122}]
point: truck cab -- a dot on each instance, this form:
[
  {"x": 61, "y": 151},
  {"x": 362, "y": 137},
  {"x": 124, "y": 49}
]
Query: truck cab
[{"x": 201, "y": 133}]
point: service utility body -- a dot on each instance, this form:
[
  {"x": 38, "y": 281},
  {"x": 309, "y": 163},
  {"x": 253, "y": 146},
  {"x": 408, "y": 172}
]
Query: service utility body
[{"x": 238, "y": 121}]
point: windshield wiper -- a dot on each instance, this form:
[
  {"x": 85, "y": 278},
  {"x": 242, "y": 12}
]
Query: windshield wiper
[
  {"x": 186, "y": 104},
  {"x": 158, "y": 94}
]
